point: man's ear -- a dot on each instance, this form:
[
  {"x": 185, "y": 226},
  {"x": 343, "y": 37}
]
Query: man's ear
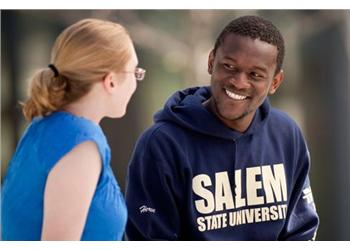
[
  {"x": 109, "y": 82},
  {"x": 211, "y": 62},
  {"x": 276, "y": 82}
]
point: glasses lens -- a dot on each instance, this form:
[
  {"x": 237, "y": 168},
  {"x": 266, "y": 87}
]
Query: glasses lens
[{"x": 140, "y": 74}]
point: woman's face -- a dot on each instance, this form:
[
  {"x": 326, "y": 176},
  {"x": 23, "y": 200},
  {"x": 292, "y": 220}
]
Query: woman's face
[{"x": 126, "y": 86}]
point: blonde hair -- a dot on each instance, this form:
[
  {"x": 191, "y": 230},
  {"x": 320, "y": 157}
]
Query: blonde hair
[{"x": 82, "y": 54}]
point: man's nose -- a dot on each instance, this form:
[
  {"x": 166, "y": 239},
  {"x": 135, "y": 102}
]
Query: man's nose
[{"x": 240, "y": 80}]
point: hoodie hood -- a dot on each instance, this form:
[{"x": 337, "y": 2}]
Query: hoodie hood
[{"x": 185, "y": 109}]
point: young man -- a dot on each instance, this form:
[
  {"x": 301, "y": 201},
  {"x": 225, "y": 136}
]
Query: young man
[{"x": 220, "y": 163}]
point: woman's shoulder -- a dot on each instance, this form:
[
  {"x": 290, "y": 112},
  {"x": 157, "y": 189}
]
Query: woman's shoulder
[
  {"x": 58, "y": 133},
  {"x": 66, "y": 122},
  {"x": 62, "y": 125},
  {"x": 63, "y": 129}
]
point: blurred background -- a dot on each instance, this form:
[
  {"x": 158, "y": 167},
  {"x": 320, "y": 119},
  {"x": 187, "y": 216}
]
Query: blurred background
[{"x": 173, "y": 46}]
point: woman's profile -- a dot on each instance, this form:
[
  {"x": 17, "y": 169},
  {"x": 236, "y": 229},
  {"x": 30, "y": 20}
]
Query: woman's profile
[{"x": 59, "y": 184}]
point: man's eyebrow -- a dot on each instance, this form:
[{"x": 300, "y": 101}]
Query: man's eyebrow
[
  {"x": 229, "y": 58},
  {"x": 260, "y": 68}
]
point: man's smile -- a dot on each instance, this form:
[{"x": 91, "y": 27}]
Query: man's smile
[{"x": 235, "y": 96}]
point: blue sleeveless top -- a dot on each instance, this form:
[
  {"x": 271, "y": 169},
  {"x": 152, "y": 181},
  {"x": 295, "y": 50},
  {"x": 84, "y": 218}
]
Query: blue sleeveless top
[{"x": 46, "y": 141}]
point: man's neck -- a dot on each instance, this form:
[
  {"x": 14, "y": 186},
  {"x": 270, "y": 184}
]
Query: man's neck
[{"x": 239, "y": 125}]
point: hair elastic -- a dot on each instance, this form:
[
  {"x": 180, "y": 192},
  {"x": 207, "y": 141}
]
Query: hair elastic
[{"x": 54, "y": 69}]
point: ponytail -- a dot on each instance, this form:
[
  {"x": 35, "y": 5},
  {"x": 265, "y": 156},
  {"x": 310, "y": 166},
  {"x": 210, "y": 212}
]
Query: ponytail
[{"x": 46, "y": 94}]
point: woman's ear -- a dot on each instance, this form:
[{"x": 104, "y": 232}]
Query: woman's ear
[
  {"x": 276, "y": 82},
  {"x": 109, "y": 82}
]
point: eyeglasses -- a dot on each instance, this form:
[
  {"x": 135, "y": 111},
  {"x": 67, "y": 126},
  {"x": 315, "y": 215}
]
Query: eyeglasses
[{"x": 139, "y": 73}]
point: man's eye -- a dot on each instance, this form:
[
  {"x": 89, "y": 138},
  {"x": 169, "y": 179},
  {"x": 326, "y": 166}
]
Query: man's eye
[
  {"x": 255, "y": 75},
  {"x": 229, "y": 66}
]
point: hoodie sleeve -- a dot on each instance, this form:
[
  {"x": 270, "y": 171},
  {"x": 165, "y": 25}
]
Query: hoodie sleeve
[
  {"x": 302, "y": 219},
  {"x": 152, "y": 208}
]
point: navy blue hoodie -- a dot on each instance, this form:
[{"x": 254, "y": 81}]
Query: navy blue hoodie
[{"x": 193, "y": 178}]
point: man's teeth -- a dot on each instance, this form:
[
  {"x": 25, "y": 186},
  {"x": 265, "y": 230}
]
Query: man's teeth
[{"x": 235, "y": 96}]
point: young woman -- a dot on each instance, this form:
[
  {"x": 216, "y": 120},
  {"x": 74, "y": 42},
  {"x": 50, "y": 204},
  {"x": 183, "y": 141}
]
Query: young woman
[{"x": 59, "y": 184}]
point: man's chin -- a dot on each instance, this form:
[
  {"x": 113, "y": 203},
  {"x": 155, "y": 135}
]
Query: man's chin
[{"x": 233, "y": 116}]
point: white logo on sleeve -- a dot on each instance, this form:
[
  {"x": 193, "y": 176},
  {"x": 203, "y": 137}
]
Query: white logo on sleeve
[
  {"x": 145, "y": 209},
  {"x": 308, "y": 195}
]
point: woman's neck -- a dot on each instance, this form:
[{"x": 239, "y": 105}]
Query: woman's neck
[{"x": 86, "y": 107}]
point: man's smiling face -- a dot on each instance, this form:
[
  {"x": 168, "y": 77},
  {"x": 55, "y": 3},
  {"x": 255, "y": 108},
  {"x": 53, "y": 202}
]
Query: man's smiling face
[{"x": 242, "y": 75}]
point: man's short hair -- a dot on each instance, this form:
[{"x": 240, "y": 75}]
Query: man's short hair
[{"x": 256, "y": 28}]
